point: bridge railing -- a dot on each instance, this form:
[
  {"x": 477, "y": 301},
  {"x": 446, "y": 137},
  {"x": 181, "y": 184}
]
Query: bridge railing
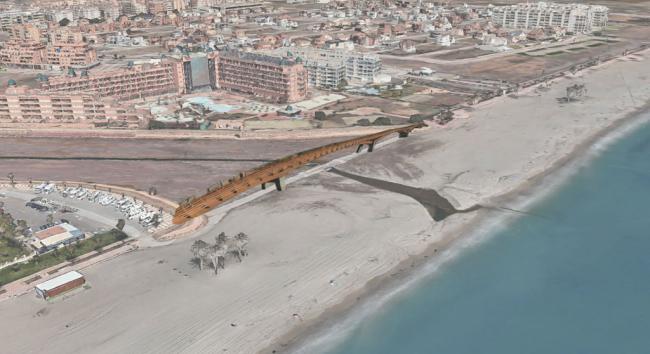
[{"x": 274, "y": 171}]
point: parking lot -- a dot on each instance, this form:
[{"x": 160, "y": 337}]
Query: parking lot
[{"x": 89, "y": 210}]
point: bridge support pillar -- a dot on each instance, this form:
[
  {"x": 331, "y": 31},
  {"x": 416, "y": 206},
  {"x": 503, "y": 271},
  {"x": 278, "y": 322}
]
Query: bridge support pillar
[
  {"x": 403, "y": 134},
  {"x": 359, "y": 148},
  {"x": 280, "y": 184},
  {"x": 371, "y": 146},
  {"x": 263, "y": 185}
]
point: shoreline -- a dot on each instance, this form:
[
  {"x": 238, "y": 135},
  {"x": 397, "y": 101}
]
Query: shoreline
[
  {"x": 412, "y": 270},
  {"x": 325, "y": 249}
]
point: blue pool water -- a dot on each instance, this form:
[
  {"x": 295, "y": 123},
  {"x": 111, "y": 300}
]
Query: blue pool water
[
  {"x": 575, "y": 279},
  {"x": 212, "y": 105}
]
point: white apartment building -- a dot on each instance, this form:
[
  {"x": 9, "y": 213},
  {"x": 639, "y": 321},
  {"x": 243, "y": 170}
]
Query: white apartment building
[
  {"x": 89, "y": 13},
  {"x": 10, "y": 18},
  {"x": 328, "y": 68},
  {"x": 58, "y": 16},
  {"x": 575, "y": 18}
]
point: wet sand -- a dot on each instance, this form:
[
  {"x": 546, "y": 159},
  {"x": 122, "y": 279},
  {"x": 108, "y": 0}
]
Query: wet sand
[{"x": 438, "y": 206}]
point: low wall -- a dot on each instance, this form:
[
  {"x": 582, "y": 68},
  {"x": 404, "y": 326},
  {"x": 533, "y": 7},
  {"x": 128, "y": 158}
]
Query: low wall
[{"x": 262, "y": 134}]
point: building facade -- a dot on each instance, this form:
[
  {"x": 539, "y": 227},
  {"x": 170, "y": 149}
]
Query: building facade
[
  {"x": 68, "y": 49},
  {"x": 55, "y": 236},
  {"x": 59, "y": 285},
  {"x": 22, "y": 106},
  {"x": 270, "y": 78},
  {"x": 10, "y": 18},
  {"x": 26, "y": 48},
  {"x": 329, "y": 67},
  {"x": 575, "y": 18},
  {"x": 134, "y": 82}
]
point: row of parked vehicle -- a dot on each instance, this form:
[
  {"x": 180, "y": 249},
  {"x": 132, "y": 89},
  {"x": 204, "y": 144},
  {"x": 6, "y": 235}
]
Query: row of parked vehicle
[
  {"x": 130, "y": 207},
  {"x": 45, "y": 188},
  {"x": 47, "y": 205}
]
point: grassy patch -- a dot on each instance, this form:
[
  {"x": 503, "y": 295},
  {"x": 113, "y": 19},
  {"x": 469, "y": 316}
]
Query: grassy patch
[
  {"x": 61, "y": 255},
  {"x": 576, "y": 49},
  {"x": 597, "y": 44},
  {"x": 556, "y": 53},
  {"x": 9, "y": 249}
]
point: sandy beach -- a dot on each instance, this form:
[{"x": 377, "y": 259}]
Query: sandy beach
[{"x": 328, "y": 241}]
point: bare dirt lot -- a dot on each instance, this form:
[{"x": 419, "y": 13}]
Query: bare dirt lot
[
  {"x": 517, "y": 68},
  {"x": 176, "y": 168}
]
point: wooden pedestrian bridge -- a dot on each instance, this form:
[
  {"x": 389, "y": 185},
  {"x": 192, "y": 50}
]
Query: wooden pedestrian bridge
[{"x": 274, "y": 172}]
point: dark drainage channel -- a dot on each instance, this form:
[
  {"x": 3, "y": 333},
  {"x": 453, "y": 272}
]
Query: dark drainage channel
[{"x": 438, "y": 206}]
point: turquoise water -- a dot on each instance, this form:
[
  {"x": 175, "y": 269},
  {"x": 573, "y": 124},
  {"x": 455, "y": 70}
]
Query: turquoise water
[
  {"x": 576, "y": 279},
  {"x": 212, "y": 105}
]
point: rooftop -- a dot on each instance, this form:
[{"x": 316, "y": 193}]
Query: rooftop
[
  {"x": 60, "y": 280},
  {"x": 256, "y": 57}
]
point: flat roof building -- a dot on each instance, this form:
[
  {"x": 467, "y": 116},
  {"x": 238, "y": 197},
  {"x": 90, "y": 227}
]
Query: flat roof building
[
  {"x": 21, "y": 106},
  {"x": 61, "y": 284},
  {"x": 575, "y": 18},
  {"x": 270, "y": 78},
  {"x": 328, "y": 68},
  {"x": 55, "y": 236},
  {"x": 10, "y": 18},
  {"x": 137, "y": 81},
  {"x": 68, "y": 49},
  {"x": 27, "y": 48}
]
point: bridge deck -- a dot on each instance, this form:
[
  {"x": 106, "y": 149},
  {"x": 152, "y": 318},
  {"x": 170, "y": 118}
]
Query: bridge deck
[{"x": 273, "y": 171}]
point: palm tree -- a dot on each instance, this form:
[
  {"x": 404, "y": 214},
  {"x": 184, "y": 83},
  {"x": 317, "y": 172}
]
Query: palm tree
[{"x": 198, "y": 249}]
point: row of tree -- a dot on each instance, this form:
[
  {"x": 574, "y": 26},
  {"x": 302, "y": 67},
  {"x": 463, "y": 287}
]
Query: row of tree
[{"x": 215, "y": 254}]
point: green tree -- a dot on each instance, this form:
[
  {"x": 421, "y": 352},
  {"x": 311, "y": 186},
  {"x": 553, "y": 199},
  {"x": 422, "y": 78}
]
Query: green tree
[
  {"x": 382, "y": 121},
  {"x": 364, "y": 122},
  {"x": 120, "y": 224},
  {"x": 320, "y": 115}
]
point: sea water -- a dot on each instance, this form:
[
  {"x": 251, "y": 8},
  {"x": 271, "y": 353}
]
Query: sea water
[{"x": 574, "y": 277}]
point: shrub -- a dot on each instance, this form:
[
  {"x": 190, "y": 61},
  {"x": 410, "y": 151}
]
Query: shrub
[
  {"x": 382, "y": 121},
  {"x": 364, "y": 122}
]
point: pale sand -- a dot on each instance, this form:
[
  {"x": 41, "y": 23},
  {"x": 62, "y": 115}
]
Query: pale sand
[{"x": 323, "y": 228}]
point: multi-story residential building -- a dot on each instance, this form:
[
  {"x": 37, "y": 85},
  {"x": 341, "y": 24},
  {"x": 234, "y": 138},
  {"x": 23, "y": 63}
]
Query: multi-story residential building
[
  {"x": 328, "y": 68},
  {"x": 60, "y": 15},
  {"x": 68, "y": 49},
  {"x": 133, "y": 7},
  {"x": 26, "y": 49},
  {"x": 19, "y": 105},
  {"x": 326, "y": 74},
  {"x": 275, "y": 79},
  {"x": 134, "y": 82},
  {"x": 269, "y": 78},
  {"x": 87, "y": 12},
  {"x": 10, "y": 18},
  {"x": 157, "y": 6},
  {"x": 178, "y": 4},
  {"x": 362, "y": 67},
  {"x": 110, "y": 10},
  {"x": 575, "y": 18}
]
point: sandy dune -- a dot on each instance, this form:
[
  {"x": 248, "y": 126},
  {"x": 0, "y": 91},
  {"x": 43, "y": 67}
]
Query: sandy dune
[{"x": 323, "y": 239}]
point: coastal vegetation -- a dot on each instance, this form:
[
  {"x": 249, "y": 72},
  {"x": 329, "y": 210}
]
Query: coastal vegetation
[
  {"x": 68, "y": 253},
  {"x": 10, "y": 232}
]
